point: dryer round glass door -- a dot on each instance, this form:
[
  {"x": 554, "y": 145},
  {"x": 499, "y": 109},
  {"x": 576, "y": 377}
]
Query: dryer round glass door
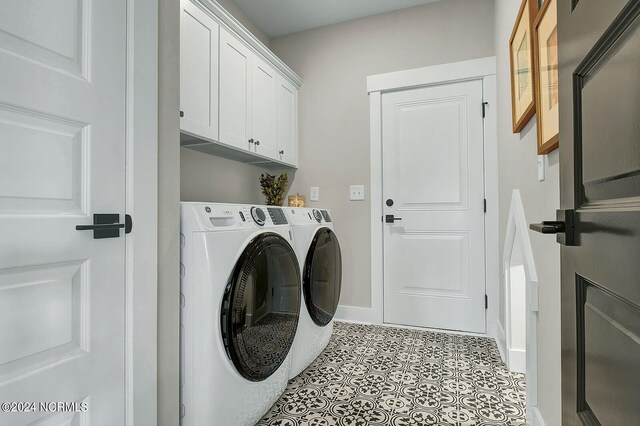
[
  {"x": 322, "y": 277},
  {"x": 261, "y": 307}
]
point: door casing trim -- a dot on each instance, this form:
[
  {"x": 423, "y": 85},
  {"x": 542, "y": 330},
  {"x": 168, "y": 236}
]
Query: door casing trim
[
  {"x": 141, "y": 263},
  {"x": 477, "y": 69}
]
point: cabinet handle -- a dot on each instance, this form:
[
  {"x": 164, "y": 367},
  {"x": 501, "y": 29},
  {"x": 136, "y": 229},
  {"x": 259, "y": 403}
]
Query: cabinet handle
[
  {"x": 257, "y": 143},
  {"x": 281, "y": 152},
  {"x": 251, "y": 140}
]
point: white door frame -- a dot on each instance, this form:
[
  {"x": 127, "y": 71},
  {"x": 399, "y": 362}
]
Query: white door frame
[
  {"x": 477, "y": 69},
  {"x": 141, "y": 342}
]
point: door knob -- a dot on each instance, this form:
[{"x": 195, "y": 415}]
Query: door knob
[
  {"x": 257, "y": 143},
  {"x": 281, "y": 151},
  {"x": 251, "y": 140},
  {"x": 391, "y": 218}
]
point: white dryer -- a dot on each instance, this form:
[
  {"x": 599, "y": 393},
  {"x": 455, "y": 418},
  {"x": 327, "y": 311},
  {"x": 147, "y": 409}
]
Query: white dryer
[
  {"x": 240, "y": 304},
  {"x": 320, "y": 260}
]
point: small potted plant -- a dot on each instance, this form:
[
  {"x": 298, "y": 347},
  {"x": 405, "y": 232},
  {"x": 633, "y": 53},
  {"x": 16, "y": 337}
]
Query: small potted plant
[{"x": 274, "y": 188}]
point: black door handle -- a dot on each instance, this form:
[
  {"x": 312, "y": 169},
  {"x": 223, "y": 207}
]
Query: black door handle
[
  {"x": 563, "y": 226},
  {"x": 548, "y": 227},
  {"x": 107, "y": 226},
  {"x": 99, "y": 227},
  {"x": 391, "y": 218}
]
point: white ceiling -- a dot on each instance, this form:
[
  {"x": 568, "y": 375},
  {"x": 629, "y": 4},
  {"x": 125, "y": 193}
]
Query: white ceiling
[{"x": 280, "y": 17}]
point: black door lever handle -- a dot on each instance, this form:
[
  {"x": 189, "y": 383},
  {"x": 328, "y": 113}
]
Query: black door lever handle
[
  {"x": 548, "y": 227},
  {"x": 99, "y": 227},
  {"x": 391, "y": 218},
  {"x": 107, "y": 226}
]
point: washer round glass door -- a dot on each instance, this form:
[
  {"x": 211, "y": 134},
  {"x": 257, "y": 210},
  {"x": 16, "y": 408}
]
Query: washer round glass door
[
  {"x": 322, "y": 278},
  {"x": 261, "y": 307}
]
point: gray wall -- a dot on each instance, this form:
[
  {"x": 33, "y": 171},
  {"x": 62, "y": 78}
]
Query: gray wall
[
  {"x": 208, "y": 178},
  {"x": 168, "y": 212},
  {"x": 518, "y": 169},
  {"x": 334, "y": 62}
]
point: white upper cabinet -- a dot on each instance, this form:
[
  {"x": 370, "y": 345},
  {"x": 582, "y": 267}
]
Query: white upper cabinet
[
  {"x": 287, "y": 122},
  {"x": 199, "y": 73},
  {"x": 264, "y": 112},
  {"x": 237, "y": 99},
  {"x": 235, "y": 91}
]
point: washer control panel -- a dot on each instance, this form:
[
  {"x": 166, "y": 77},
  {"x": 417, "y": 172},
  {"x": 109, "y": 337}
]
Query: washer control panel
[
  {"x": 325, "y": 215},
  {"x": 277, "y": 216}
]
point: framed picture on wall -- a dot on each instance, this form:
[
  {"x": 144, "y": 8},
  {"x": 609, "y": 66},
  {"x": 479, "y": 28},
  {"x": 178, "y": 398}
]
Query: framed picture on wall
[
  {"x": 523, "y": 86},
  {"x": 546, "y": 65}
]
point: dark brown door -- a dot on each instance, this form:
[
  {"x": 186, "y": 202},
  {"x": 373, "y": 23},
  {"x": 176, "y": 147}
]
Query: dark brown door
[{"x": 599, "y": 55}]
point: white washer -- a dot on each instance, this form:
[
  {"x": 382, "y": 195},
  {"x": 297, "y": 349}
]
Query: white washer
[
  {"x": 320, "y": 260},
  {"x": 240, "y": 304}
]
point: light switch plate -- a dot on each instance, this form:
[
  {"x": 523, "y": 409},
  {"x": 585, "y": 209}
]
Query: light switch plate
[
  {"x": 540, "y": 168},
  {"x": 314, "y": 194},
  {"x": 356, "y": 192}
]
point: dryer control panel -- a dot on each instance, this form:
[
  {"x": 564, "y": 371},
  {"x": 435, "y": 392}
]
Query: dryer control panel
[{"x": 306, "y": 216}]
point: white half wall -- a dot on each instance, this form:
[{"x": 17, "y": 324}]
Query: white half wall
[{"x": 517, "y": 157}]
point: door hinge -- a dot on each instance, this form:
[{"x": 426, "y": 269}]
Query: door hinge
[
  {"x": 486, "y": 301},
  {"x": 485, "y": 205},
  {"x": 182, "y": 114},
  {"x": 484, "y": 108}
]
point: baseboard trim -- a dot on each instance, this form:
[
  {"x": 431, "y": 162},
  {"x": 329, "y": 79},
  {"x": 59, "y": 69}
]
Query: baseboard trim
[
  {"x": 501, "y": 341},
  {"x": 537, "y": 419},
  {"x": 517, "y": 361},
  {"x": 354, "y": 314}
]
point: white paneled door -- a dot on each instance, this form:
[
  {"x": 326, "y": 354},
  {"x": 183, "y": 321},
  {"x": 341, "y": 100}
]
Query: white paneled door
[
  {"x": 433, "y": 194},
  {"x": 62, "y": 159}
]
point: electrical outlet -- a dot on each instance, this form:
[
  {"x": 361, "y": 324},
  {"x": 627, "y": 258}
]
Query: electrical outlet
[
  {"x": 541, "y": 168},
  {"x": 314, "y": 194},
  {"x": 356, "y": 192}
]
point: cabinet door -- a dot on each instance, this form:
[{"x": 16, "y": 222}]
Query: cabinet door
[
  {"x": 235, "y": 93},
  {"x": 198, "y": 72},
  {"x": 264, "y": 111},
  {"x": 287, "y": 122}
]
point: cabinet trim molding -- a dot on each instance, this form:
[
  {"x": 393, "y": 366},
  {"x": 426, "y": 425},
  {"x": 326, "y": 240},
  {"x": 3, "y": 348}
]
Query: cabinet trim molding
[{"x": 230, "y": 23}]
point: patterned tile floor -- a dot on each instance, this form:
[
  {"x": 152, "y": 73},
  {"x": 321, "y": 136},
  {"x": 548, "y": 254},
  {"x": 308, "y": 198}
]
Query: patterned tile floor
[{"x": 372, "y": 375}]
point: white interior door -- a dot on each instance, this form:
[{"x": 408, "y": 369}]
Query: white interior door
[
  {"x": 235, "y": 93},
  {"x": 433, "y": 171},
  {"x": 62, "y": 159},
  {"x": 264, "y": 111}
]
